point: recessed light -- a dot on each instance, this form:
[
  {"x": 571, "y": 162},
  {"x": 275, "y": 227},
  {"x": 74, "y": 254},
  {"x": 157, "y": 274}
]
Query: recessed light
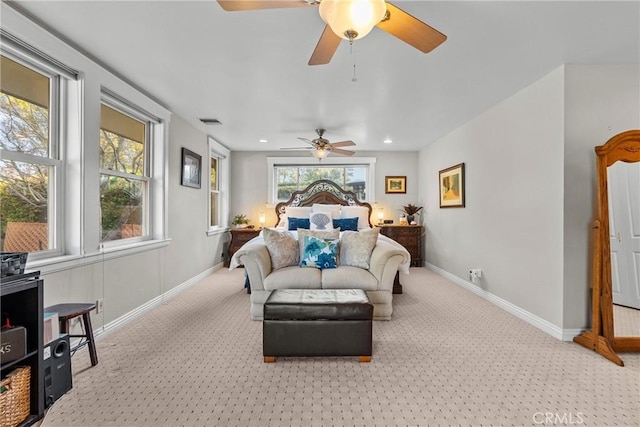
[
  {"x": 387, "y": 141},
  {"x": 263, "y": 140}
]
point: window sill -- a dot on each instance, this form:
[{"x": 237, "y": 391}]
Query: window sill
[
  {"x": 216, "y": 231},
  {"x": 67, "y": 262}
]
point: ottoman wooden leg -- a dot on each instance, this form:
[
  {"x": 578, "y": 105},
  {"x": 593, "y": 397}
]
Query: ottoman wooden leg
[
  {"x": 269, "y": 359},
  {"x": 365, "y": 359}
]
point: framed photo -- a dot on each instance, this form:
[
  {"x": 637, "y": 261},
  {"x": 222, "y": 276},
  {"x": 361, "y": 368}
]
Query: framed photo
[
  {"x": 395, "y": 184},
  {"x": 191, "y": 169},
  {"x": 452, "y": 187}
]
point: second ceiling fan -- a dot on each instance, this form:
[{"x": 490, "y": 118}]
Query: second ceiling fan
[{"x": 351, "y": 20}]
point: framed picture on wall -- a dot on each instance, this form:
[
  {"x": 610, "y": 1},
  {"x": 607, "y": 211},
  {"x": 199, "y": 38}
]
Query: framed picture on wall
[
  {"x": 395, "y": 184},
  {"x": 191, "y": 169},
  {"x": 452, "y": 187}
]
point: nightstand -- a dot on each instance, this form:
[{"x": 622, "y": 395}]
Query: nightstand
[
  {"x": 239, "y": 236},
  {"x": 409, "y": 236}
]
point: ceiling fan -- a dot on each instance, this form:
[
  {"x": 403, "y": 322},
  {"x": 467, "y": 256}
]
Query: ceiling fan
[
  {"x": 322, "y": 147},
  {"x": 351, "y": 20}
]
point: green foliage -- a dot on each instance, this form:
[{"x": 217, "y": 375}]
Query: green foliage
[
  {"x": 411, "y": 209},
  {"x": 240, "y": 219}
]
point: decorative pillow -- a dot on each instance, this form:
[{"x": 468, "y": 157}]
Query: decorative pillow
[
  {"x": 283, "y": 248},
  {"x": 327, "y": 235},
  {"x": 321, "y": 221},
  {"x": 360, "y": 211},
  {"x": 295, "y": 223},
  {"x": 295, "y": 212},
  {"x": 319, "y": 253},
  {"x": 356, "y": 247},
  {"x": 333, "y": 209},
  {"x": 346, "y": 224}
]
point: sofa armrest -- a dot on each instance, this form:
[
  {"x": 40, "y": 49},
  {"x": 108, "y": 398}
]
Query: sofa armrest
[
  {"x": 257, "y": 263},
  {"x": 385, "y": 261}
]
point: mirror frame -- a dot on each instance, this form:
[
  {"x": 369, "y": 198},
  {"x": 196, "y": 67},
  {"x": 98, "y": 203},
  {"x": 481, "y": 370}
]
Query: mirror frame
[{"x": 623, "y": 147}]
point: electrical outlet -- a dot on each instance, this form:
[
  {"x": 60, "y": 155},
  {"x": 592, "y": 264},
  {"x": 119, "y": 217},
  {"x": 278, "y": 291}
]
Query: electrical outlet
[
  {"x": 99, "y": 305},
  {"x": 475, "y": 274}
]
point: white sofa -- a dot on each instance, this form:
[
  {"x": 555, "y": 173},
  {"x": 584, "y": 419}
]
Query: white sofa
[{"x": 386, "y": 259}]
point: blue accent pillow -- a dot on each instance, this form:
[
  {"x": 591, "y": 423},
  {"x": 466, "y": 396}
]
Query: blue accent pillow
[
  {"x": 346, "y": 224},
  {"x": 295, "y": 223},
  {"x": 319, "y": 253}
]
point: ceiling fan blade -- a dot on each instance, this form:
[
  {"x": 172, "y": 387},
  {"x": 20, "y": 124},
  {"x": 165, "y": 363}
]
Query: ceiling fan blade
[
  {"x": 325, "y": 48},
  {"x": 343, "y": 143},
  {"x": 308, "y": 141},
  {"x": 240, "y": 5},
  {"x": 343, "y": 152},
  {"x": 298, "y": 148},
  {"x": 411, "y": 30}
]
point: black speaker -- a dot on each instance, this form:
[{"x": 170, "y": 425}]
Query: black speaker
[{"x": 57, "y": 369}]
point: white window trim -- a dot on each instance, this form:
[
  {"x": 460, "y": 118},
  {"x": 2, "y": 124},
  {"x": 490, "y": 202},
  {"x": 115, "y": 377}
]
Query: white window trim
[
  {"x": 224, "y": 178},
  {"x": 272, "y": 162}
]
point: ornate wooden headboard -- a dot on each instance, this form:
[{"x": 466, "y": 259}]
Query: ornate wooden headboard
[{"x": 324, "y": 192}]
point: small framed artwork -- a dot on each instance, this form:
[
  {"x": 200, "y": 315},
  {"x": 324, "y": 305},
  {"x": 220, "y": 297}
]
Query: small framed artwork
[
  {"x": 395, "y": 184},
  {"x": 191, "y": 169},
  {"x": 452, "y": 187}
]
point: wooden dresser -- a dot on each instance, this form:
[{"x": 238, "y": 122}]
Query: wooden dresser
[
  {"x": 239, "y": 236},
  {"x": 409, "y": 236}
]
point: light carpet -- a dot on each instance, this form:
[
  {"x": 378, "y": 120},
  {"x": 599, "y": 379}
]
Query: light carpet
[{"x": 447, "y": 358}]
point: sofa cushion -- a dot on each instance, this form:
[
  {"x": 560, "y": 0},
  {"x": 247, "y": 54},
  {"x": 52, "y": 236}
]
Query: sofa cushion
[
  {"x": 283, "y": 248},
  {"x": 356, "y": 247},
  {"x": 345, "y": 277},
  {"x": 332, "y": 235},
  {"x": 293, "y": 278},
  {"x": 319, "y": 253}
]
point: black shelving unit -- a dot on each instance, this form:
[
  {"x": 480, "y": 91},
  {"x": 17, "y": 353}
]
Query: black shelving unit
[{"x": 22, "y": 298}]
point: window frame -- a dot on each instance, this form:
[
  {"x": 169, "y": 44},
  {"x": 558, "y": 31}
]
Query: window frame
[
  {"x": 273, "y": 162},
  {"x": 34, "y": 60},
  {"x": 223, "y": 154},
  {"x": 123, "y": 106}
]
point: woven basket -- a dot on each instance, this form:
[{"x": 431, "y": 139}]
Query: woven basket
[{"x": 15, "y": 400}]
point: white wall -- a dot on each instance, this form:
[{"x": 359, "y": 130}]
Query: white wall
[
  {"x": 511, "y": 226},
  {"x": 531, "y": 188},
  {"x": 600, "y": 102},
  {"x": 249, "y": 183}
]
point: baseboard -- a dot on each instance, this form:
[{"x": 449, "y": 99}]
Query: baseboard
[
  {"x": 126, "y": 318},
  {"x": 538, "y": 322}
]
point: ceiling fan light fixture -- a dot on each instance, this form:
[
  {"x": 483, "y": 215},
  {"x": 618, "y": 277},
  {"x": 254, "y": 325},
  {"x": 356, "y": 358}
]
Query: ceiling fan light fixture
[
  {"x": 352, "y": 19},
  {"x": 320, "y": 153}
]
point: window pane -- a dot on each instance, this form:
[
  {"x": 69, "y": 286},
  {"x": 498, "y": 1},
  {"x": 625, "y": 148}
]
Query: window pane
[
  {"x": 118, "y": 153},
  {"x": 24, "y": 109},
  {"x": 215, "y": 215},
  {"x": 122, "y": 207},
  {"x": 292, "y": 178},
  {"x": 214, "y": 173},
  {"x": 24, "y": 191}
]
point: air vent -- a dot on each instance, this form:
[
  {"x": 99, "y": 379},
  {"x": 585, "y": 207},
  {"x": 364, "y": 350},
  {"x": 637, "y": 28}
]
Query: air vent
[{"x": 211, "y": 122}]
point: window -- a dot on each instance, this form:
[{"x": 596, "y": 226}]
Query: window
[
  {"x": 218, "y": 205},
  {"x": 292, "y": 174},
  {"x": 124, "y": 175},
  {"x": 30, "y": 165}
]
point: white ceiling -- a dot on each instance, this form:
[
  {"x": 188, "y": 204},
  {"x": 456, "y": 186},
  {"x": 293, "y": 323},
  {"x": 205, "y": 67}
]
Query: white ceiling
[{"x": 249, "y": 69}]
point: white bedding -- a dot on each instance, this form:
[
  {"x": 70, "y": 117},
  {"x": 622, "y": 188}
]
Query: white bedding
[{"x": 404, "y": 268}]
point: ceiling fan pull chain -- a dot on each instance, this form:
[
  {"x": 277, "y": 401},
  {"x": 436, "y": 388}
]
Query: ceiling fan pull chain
[{"x": 353, "y": 78}]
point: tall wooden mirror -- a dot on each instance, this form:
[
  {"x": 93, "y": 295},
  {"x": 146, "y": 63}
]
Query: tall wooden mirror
[{"x": 624, "y": 147}]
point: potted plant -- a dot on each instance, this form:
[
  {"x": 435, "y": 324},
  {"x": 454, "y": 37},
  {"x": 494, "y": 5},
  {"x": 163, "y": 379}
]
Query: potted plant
[
  {"x": 240, "y": 220},
  {"x": 411, "y": 211}
]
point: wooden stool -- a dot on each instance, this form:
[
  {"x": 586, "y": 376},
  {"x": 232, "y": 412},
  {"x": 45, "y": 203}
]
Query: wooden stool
[{"x": 66, "y": 312}]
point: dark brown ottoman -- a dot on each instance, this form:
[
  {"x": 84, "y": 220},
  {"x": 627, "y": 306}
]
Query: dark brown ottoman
[{"x": 317, "y": 322}]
